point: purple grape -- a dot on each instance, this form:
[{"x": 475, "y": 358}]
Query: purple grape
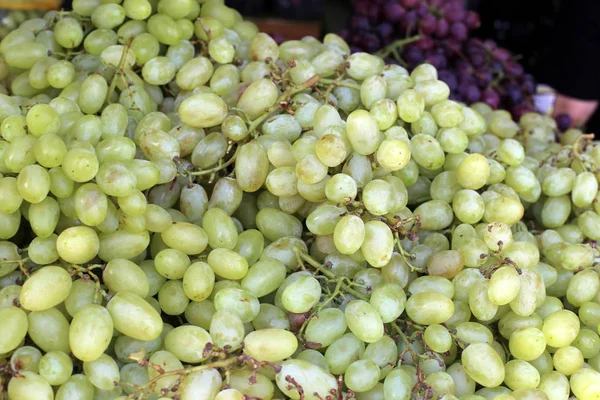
[
  {"x": 459, "y": 31},
  {"x": 472, "y": 20},
  {"x": 442, "y": 28},
  {"x": 484, "y": 77},
  {"x": 426, "y": 43},
  {"x": 449, "y": 77},
  {"x": 359, "y": 23},
  {"x": 385, "y": 30},
  {"x": 453, "y": 11},
  {"x": 370, "y": 42},
  {"x": 520, "y": 110},
  {"x": 563, "y": 121},
  {"x": 393, "y": 12},
  {"x": 439, "y": 61},
  {"x": 422, "y": 10},
  {"x": 514, "y": 68},
  {"x": 469, "y": 91},
  {"x": 409, "y": 21},
  {"x": 491, "y": 98},
  {"x": 409, "y": 3},
  {"x": 428, "y": 24},
  {"x": 529, "y": 84},
  {"x": 514, "y": 93},
  {"x": 501, "y": 54},
  {"x": 490, "y": 44},
  {"x": 361, "y": 7},
  {"x": 413, "y": 55}
]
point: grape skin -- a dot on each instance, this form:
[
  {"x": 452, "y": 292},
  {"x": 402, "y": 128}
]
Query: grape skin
[{"x": 187, "y": 204}]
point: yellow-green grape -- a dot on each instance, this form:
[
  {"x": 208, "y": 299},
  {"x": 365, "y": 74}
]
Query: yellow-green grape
[
  {"x": 301, "y": 295},
  {"x": 473, "y": 172},
  {"x": 364, "y": 321},
  {"x": 305, "y": 374},
  {"x": 561, "y": 328},
  {"x": 188, "y": 343},
  {"x": 14, "y": 328},
  {"x": 555, "y": 385},
  {"x": 264, "y": 277},
  {"x": 102, "y": 372},
  {"x": 188, "y": 238},
  {"x": 429, "y": 308},
  {"x": 583, "y": 287},
  {"x": 78, "y": 244},
  {"x": 10, "y": 198},
  {"x": 389, "y": 300},
  {"x": 108, "y": 16},
  {"x": 33, "y": 183},
  {"x": 122, "y": 244},
  {"x": 171, "y": 263},
  {"x": 121, "y": 275},
  {"x": 567, "y": 360},
  {"x": 134, "y": 317},
  {"x": 202, "y": 384},
  {"x": 397, "y": 385},
  {"x": 227, "y": 329},
  {"x": 28, "y": 386},
  {"x": 90, "y": 332},
  {"x": 239, "y": 301},
  {"x": 327, "y": 328},
  {"x": 527, "y": 343},
  {"x": 198, "y": 281},
  {"x": 585, "y": 383},
  {"x": 26, "y": 358},
  {"x": 437, "y": 338},
  {"x": 44, "y": 216},
  {"x": 80, "y": 165},
  {"x": 521, "y": 375},
  {"x": 270, "y": 344},
  {"x": 46, "y": 288},
  {"x": 42, "y": 119},
  {"x": 483, "y": 364}
]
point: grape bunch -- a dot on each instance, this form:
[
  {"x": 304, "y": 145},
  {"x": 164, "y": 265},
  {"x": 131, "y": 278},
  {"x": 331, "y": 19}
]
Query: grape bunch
[
  {"x": 475, "y": 70},
  {"x": 189, "y": 210}
]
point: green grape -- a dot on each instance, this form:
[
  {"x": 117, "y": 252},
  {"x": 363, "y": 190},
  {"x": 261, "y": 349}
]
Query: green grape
[
  {"x": 327, "y": 328},
  {"x": 126, "y": 307},
  {"x": 187, "y": 343},
  {"x": 14, "y": 328},
  {"x": 204, "y": 383},
  {"x": 48, "y": 287},
  {"x": 257, "y": 97},
  {"x": 270, "y": 344},
  {"x": 567, "y": 360},
  {"x": 56, "y": 367},
  {"x": 397, "y": 385},
  {"x": 43, "y": 251},
  {"x": 239, "y": 301},
  {"x": 305, "y": 374},
  {"x": 560, "y": 328},
  {"x": 33, "y": 183},
  {"x": 429, "y": 308},
  {"x": 301, "y": 295},
  {"x": 108, "y": 16},
  {"x": 29, "y": 385},
  {"x": 76, "y": 387},
  {"x": 102, "y": 372},
  {"x": 125, "y": 276},
  {"x": 137, "y": 9},
  {"x": 10, "y": 198},
  {"x": 378, "y": 244},
  {"x": 264, "y": 277},
  {"x": 172, "y": 299},
  {"x": 521, "y": 375},
  {"x": 26, "y": 358}
]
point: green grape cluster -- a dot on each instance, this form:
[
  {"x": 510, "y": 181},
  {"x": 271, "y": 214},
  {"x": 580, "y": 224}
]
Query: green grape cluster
[{"x": 189, "y": 210}]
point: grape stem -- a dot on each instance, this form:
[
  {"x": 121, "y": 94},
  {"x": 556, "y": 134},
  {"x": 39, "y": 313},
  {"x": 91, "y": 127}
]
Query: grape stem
[
  {"x": 283, "y": 99},
  {"x": 316, "y": 265},
  {"x": 21, "y": 263},
  {"x": 406, "y": 256},
  {"x": 113, "y": 82},
  {"x": 393, "y": 47}
]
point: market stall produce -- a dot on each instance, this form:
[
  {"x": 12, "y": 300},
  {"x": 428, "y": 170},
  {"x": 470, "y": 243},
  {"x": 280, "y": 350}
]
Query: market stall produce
[{"x": 189, "y": 210}]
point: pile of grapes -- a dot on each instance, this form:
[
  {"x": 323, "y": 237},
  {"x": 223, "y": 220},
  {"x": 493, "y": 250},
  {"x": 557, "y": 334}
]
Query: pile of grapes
[
  {"x": 474, "y": 70},
  {"x": 190, "y": 211}
]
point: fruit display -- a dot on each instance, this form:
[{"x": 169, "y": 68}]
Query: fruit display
[
  {"x": 439, "y": 34},
  {"x": 189, "y": 210}
]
